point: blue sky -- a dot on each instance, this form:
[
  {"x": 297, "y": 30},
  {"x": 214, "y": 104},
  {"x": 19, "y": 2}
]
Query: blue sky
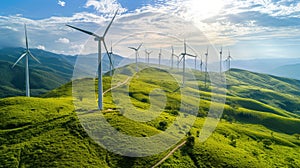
[{"x": 249, "y": 28}]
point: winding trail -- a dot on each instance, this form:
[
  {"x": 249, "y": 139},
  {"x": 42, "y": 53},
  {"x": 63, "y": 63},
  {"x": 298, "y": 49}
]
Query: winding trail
[
  {"x": 172, "y": 151},
  {"x": 123, "y": 83},
  {"x": 169, "y": 154}
]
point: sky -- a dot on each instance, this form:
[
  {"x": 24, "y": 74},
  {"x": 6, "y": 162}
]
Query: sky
[{"x": 248, "y": 28}]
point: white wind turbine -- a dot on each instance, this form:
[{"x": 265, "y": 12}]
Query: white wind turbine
[
  {"x": 229, "y": 58},
  {"x": 201, "y": 65},
  {"x": 196, "y": 63},
  {"x": 159, "y": 57},
  {"x": 221, "y": 52},
  {"x": 111, "y": 54},
  {"x": 136, "y": 56},
  {"x": 206, "y": 60},
  {"x": 172, "y": 58},
  {"x": 26, "y": 54},
  {"x": 183, "y": 55},
  {"x": 100, "y": 39},
  {"x": 147, "y": 55}
]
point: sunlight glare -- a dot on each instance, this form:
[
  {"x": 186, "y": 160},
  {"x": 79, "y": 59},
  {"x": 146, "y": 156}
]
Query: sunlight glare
[{"x": 204, "y": 9}]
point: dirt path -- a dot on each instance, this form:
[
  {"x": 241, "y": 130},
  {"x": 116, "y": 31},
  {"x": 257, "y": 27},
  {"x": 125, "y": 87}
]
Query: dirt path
[
  {"x": 172, "y": 151},
  {"x": 123, "y": 83},
  {"x": 169, "y": 154}
]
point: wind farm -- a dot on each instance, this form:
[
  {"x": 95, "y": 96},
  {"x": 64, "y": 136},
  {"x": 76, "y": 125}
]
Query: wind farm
[{"x": 148, "y": 85}]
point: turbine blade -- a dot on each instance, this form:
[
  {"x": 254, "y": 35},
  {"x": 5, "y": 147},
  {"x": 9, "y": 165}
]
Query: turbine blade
[
  {"x": 139, "y": 46},
  {"x": 34, "y": 57},
  {"x": 191, "y": 55},
  {"x": 84, "y": 31},
  {"x": 108, "y": 55},
  {"x": 26, "y": 39},
  {"x": 110, "y": 24},
  {"x": 23, "y": 55},
  {"x": 181, "y": 59},
  {"x": 132, "y": 48}
]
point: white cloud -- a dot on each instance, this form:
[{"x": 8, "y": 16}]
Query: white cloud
[
  {"x": 63, "y": 41},
  {"x": 171, "y": 18},
  {"x": 274, "y": 9},
  {"x": 10, "y": 28},
  {"x": 41, "y": 47},
  {"x": 61, "y": 3},
  {"x": 105, "y": 6}
]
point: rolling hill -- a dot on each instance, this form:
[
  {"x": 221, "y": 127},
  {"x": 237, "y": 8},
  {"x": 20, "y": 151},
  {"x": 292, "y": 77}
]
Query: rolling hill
[
  {"x": 55, "y": 70},
  {"x": 259, "y": 127}
]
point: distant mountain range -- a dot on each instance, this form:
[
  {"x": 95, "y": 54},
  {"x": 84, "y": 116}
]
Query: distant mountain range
[
  {"x": 57, "y": 69},
  {"x": 284, "y": 67},
  {"x": 290, "y": 71}
]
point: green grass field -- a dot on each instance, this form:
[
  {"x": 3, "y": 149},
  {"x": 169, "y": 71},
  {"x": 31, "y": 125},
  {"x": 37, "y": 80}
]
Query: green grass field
[{"x": 259, "y": 127}]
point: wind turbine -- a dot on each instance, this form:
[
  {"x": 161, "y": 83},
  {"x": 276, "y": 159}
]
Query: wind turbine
[
  {"x": 136, "y": 55},
  {"x": 206, "y": 60},
  {"x": 183, "y": 55},
  {"x": 26, "y": 54},
  {"x": 201, "y": 65},
  {"x": 172, "y": 58},
  {"x": 229, "y": 58},
  {"x": 111, "y": 57},
  {"x": 196, "y": 63},
  {"x": 100, "y": 39},
  {"x": 148, "y": 55},
  {"x": 159, "y": 57},
  {"x": 221, "y": 52}
]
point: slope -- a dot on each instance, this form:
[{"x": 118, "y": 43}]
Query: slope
[{"x": 45, "y": 132}]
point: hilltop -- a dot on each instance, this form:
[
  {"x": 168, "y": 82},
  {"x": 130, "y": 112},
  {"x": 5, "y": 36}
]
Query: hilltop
[{"x": 257, "y": 129}]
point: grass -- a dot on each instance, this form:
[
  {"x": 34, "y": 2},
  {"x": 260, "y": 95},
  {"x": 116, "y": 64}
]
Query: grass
[{"x": 46, "y": 132}]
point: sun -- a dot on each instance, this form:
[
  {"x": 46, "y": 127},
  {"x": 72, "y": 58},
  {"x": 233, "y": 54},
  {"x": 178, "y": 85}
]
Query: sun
[{"x": 203, "y": 9}]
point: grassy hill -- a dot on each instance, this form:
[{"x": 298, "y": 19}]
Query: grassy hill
[
  {"x": 257, "y": 129},
  {"x": 54, "y": 70}
]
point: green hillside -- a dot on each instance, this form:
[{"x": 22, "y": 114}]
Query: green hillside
[
  {"x": 54, "y": 70},
  {"x": 259, "y": 127}
]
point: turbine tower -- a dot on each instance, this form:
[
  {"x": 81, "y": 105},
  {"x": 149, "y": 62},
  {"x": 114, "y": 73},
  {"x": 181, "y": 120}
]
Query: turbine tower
[
  {"x": 159, "y": 57},
  {"x": 100, "y": 39},
  {"x": 172, "y": 58},
  {"x": 229, "y": 58},
  {"x": 26, "y": 54},
  {"x": 111, "y": 54},
  {"x": 206, "y": 60},
  {"x": 183, "y": 55},
  {"x": 148, "y": 55},
  {"x": 196, "y": 63},
  {"x": 221, "y": 52},
  {"x": 201, "y": 65},
  {"x": 136, "y": 56}
]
